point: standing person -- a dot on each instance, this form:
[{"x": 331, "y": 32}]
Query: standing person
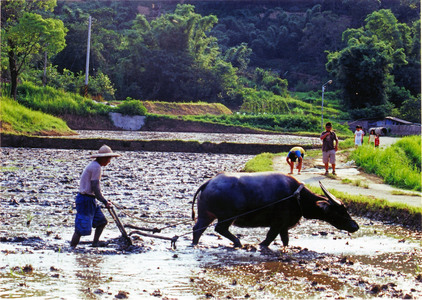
[
  {"x": 377, "y": 140},
  {"x": 295, "y": 153},
  {"x": 328, "y": 138},
  {"x": 359, "y": 136},
  {"x": 88, "y": 212},
  {"x": 372, "y": 137}
]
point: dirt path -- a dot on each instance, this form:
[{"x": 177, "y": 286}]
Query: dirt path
[{"x": 369, "y": 185}]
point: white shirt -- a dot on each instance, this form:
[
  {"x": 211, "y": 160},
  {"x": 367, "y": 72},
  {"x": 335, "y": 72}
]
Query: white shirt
[
  {"x": 358, "y": 136},
  {"x": 91, "y": 172}
]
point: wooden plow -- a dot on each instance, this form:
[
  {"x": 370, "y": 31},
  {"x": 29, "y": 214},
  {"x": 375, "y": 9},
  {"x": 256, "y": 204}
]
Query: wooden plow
[
  {"x": 120, "y": 226},
  {"x": 139, "y": 231}
]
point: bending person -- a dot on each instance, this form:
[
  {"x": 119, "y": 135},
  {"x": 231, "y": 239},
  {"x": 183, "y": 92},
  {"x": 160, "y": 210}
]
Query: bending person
[{"x": 295, "y": 153}]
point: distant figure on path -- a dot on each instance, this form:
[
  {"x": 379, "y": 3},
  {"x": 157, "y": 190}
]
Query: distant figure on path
[
  {"x": 359, "y": 133},
  {"x": 371, "y": 138},
  {"x": 88, "y": 212},
  {"x": 329, "y": 149},
  {"x": 295, "y": 153}
]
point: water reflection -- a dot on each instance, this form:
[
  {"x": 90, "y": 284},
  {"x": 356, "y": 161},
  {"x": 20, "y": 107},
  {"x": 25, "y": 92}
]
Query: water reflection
[{"x": 89, "y": 274}]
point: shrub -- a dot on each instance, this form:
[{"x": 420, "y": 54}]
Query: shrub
[{"x": 131, "y": 108}]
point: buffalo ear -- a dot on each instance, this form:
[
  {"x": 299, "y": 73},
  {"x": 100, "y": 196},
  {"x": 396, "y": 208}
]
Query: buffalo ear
[
  {"x": 324, "y": 205},
  {"x": 330, "y": 196}
]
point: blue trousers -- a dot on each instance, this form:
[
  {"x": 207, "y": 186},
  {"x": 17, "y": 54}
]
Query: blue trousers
[{"x": 88, "y": 215}]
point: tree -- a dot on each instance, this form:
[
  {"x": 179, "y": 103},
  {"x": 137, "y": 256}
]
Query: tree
[
  {"x": 172, "y": 58},
  {"x": 105, "y": 40},
  {"x": 411, "y": 109},
  {"x": 26, "y": 33},
  {"x": 239, "y": 56},
  {"x": 364, "y": 68}
]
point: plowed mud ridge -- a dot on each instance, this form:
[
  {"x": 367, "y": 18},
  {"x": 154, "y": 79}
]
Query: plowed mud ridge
[
  {"x": 155, "y": 189},
  {"x": 201, "y": 137}
]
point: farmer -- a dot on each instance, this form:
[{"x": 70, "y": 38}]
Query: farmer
[
  {"x": 295, "y": 153},
  {"x": 328, "y": 138},
  {"x": 88, "y": 212}
]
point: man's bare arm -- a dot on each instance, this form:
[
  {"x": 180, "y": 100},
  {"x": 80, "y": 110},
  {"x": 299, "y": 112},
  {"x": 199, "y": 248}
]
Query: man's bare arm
[{"x": 95, "y": 184}]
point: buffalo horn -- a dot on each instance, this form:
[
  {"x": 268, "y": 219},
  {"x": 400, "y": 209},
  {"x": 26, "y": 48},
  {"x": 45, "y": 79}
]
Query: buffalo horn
[{"x": 330, "y": 196}]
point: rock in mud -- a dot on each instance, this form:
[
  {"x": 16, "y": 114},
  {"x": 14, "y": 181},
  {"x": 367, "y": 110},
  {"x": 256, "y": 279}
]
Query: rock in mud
[{"x": 122, "y": 295}]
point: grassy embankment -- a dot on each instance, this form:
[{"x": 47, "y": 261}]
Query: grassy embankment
[
  {"x": 298, "y": 117},
  {"x": 17, "y": 119},
  {"x": 399, "y": 163}
]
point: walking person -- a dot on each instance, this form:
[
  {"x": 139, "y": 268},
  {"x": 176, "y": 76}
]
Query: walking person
[
  {"x": 329, "y": 147},
  {"x": 88, "y": 212},
  {"x": 295, "y": 153},
  {"x": 359, "y": 133}
]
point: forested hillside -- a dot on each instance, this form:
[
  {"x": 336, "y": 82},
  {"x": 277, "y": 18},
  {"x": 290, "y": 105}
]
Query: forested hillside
[{"x": 222, "y": 51}]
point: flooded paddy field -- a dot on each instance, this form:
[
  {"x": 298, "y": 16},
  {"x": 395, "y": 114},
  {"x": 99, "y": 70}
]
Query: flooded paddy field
[{"x": 154, "y": 189}]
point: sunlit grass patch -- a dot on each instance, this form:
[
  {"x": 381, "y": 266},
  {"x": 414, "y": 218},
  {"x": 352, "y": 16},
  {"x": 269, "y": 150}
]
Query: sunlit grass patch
[
  {"x": 403, "y": 193},
  {"x": 399, "y": 164},
  {"x": 260, "y": 163},
  {"x": 17, "y": 119},
  {"x": 356, "y": 182}
]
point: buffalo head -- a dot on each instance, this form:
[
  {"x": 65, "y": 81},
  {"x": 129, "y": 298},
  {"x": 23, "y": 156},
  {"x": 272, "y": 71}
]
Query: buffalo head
[{"x": 334, "y": 212}]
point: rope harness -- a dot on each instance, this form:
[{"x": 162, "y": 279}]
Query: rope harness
[{"x": 173, "y": 240}]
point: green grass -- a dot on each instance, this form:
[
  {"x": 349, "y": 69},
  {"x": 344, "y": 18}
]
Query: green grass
[
  {"x": 356, "y": 182},
  {"x": 397, "y": 192},
  {"x": 280, "y": 123},
  {"x": 408, "y": 214},
  {"x": 399, "y": 165},
  {"x": 346, "y": 144},
  {"x": 56, "y": 102},
  {"x": 260, "y": 163},
  {"x": 18, "y": 119}
]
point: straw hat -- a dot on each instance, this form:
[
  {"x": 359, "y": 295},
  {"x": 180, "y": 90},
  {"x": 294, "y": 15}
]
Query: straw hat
[{"x": 105, "y": 151}]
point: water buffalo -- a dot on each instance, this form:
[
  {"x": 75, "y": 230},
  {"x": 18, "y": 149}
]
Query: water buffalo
[{"x": 259, "y": 200}]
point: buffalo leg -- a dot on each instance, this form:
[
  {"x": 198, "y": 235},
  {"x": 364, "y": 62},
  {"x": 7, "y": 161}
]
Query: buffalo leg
[
  {"x": 223, "y": 229},
  {"x": 284, "y": 235},
  {"x": 271, "y": 235},
  {"x": 199, "y": 228}
]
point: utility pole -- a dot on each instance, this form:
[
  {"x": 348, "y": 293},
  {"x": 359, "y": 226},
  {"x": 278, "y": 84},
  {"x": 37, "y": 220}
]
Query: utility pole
[
  {"x": 322, "y": 103},
  {"x": 44, "y": 78},
  {"x": 87, "y": 58}
]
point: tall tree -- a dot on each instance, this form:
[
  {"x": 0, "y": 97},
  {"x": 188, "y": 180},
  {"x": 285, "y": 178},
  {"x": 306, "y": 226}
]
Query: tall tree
[
  {"x": 364, "y": 68},
  {"x": 172, "y": 58},
  {"x": 26, "y": 33}
]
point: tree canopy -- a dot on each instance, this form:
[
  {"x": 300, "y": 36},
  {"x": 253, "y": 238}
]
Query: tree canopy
[
  {"x": 26, "y": 34},
  {"x": 375, "y": 52},
  {"x": 215, "y": 50},
  {"x": 171, "y": 58}
]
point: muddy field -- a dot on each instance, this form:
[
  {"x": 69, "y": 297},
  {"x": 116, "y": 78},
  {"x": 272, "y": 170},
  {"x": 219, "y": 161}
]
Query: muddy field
[{"x": 155, "y": 190}]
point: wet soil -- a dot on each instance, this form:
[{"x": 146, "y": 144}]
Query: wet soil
[{"x": 155, "y": 189}]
